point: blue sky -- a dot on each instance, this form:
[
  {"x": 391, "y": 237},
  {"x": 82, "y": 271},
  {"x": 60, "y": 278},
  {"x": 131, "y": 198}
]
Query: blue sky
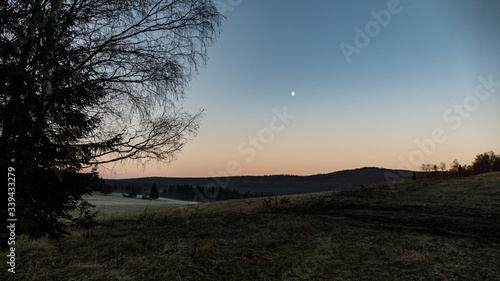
[{"x": 371, "y": 111}]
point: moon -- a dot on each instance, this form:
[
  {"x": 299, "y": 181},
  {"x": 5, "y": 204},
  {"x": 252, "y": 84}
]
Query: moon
[{"x": 293, "y": 93}]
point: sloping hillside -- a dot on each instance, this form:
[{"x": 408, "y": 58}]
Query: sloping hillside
[
  {"x": 416, "y": 230},
  {"x": 275, "y": 184}
]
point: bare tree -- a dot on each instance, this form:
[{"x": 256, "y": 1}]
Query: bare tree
[
  {"x": 141, "y": 54},
  {"x": 423, "y": 167},
  {"x": 454, "y": 165},
  {"x": 87, "y": 82},
  {"x": 442, "y": 166},
  {"x": 494, "y": 158}
]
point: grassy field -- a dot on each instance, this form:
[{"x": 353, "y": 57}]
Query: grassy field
[
  {"x": 115, "y": 205},
  {"x": 417, "y": 230}
]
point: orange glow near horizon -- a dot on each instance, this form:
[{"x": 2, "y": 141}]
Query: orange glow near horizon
[{"x": 305, "y": 162}]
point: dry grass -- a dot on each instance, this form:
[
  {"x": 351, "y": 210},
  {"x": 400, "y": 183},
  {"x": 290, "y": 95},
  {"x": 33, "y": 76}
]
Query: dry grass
[{"x": 425, "y": 230}]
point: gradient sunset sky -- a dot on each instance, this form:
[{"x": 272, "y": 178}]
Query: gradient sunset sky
[{"x": 369, "y": 90}]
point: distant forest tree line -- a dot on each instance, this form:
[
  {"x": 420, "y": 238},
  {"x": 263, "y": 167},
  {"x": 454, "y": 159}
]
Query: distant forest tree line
[
  {"x": 180, "y": 192},
  {"x": 483, "y": 163}
]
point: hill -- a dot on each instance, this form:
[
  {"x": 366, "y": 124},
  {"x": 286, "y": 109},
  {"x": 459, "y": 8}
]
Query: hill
[
  {"x": 414, "y": 230},
  {"x": 274, "y": 184}
]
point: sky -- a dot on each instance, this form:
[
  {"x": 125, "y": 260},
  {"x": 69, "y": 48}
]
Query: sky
[{"x": 376, "y": 83}]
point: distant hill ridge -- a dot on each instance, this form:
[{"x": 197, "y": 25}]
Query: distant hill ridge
[{"x": 276, "y": 184}]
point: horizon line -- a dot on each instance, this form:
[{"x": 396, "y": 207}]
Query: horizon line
[{"x": 268, "y": 175}]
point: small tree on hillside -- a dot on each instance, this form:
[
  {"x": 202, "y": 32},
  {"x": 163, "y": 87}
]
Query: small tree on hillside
[
  {"x": 455, "y": 168},
  {"x": 442, "y": 166},
  {"x": 496, "y": 164},
  {"x": 484, "y": 163},
  {"x": 154, "y": 191}
]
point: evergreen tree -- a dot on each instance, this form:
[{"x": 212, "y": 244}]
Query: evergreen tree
[
  {"x": 106, "y": 188},
  {"x": 154, "y": 191}
]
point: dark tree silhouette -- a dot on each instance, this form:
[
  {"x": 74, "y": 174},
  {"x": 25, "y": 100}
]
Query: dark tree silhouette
[
  {"x": 88, "y": 82},
  {"x": 455, "y": 168},
  {"x": 106, "y": 188},
  {"x": 496, "y": 164},
  {"x": 485, "y": 162},
  {"x": 154, "y": 191}
]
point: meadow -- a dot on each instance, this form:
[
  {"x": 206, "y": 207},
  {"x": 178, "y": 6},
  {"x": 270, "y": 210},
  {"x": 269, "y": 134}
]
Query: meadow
[
  {"x": 440, "y": 229},
  {"x": 115, "y": 205}
]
